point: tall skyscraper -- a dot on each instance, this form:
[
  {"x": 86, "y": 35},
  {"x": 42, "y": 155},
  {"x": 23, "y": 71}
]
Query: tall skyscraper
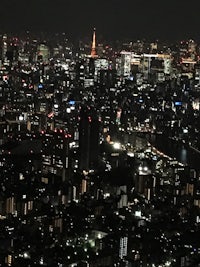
[
  {"x": 93, "y": 50},
  {"x": 55, "y": 153},
  {"x": 88, "y": 139},
  {"x": 123, "y": 244},
  {"x": 125, "y": 64}
]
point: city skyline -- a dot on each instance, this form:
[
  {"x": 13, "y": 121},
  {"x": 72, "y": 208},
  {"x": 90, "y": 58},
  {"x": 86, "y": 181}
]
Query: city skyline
[
  {"x": 99, "y": 134},
  {"x": 99, "y": 152},
  {"x": 113, "y": 19}
]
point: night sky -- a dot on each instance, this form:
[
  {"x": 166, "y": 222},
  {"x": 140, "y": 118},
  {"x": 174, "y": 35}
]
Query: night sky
[{"x": 114, "y": 19}]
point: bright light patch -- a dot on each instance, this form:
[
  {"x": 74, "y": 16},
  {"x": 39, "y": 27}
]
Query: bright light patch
[{"x": 117, "y": 145}]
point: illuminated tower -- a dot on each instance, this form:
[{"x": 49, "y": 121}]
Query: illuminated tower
[{"x": 93, "y": 50}]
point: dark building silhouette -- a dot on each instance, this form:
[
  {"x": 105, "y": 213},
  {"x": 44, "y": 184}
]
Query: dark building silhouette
[
  {"x": 107, "y": 77},
  {"x": 89, "y": 128}
]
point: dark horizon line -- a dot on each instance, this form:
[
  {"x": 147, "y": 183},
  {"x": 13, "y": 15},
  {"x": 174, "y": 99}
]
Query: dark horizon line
[{"x": 100, "y": 36}]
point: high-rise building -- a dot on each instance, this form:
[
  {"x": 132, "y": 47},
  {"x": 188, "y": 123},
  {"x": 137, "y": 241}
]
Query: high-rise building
[
  {"x": 100, "y": 64},
  {"x": 123, "y": 245},
  {"x": 125, "y": 68},
  {"x": 107, "y": 78},
  {"x": 197, "y": 76},
  {"x": 43, "y": 53},
  {"x": 55, "y": 158},
  {"x": 88, "y": 139},
  {"x": 4, "y": 47}
]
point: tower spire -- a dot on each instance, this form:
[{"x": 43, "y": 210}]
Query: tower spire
[{"x": 93, "y": 50}]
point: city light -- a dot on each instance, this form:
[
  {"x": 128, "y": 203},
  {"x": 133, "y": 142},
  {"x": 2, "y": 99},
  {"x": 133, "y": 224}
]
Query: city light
[
  {"x": 26, "y": 255},
  {"x": 21, "y": 118},
  {"x": 99, "y": 143},
  {"x": 116, "y": 145}
]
